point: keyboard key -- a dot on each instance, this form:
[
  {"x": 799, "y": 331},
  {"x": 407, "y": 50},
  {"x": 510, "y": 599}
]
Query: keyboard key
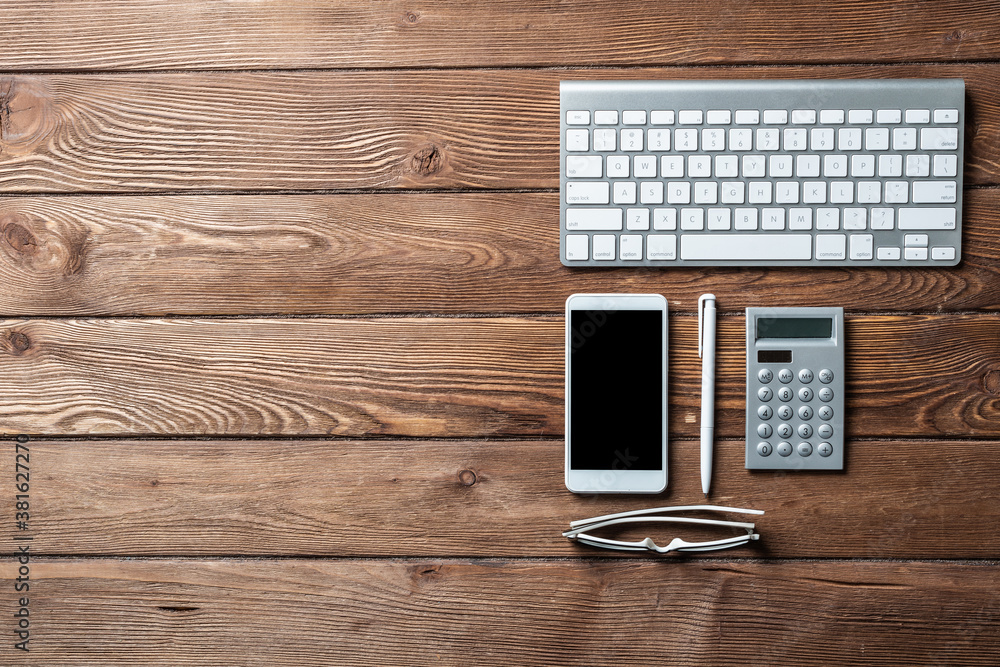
[
  {"x": 633, "y": 118},
  {"x": 861, "y": 246},
  {"x": 946, "y": 115},
  {"x": 918, "y": 165},
  {"x": 665, "y": 219},
  {"x": 661, "y": 117},
  {"x": 926, "y": 218},
  {"x": 803, "y": 116},
  {"x": 624, "y": 193},
  {"x": 939, "y": 139},
  {"x": 859, "y": 116},
  {"x": 690, "y": 116},
  {"x": 943, "y": 253},
  {"x": 888, "y": 253},
  {"x": 767, "y": 247},
  {"x": 904, "y": 138},
  {"x": 692, "y": 219},
  {"x": 578, "y": 118},
  {"x": 889, "y": 116},
  {"x": 584, "y": 166},
  {"x": 604, "y": 247},
  {"x": 775, "y": 117},
  {"x": 593, "y": 219},
  {"x": 917, "y": 254},
  {"x": 915, "y": 240},
  {"x": 588, "y": 192},
  {"x": 747, "y": 117},
  {"x": 876, "y": 139},
  {"x": 767, "y": 140},
  {"x": 945, "y": 165},
  {"x": 637, "y": 219},
  {"x": 631, "y": 140},
  {"x": 718, "y": 117},
  {"x": 577, "y": 247},
  {"x": 644, "y": 166},
  {"x": 686, "y": 140},
  {"x": 618, "y": 166},
  {"x": 918, "y": 116},
  {"x": 658, "y": 139},
  {"x": 831, "y": 116},
  {"x": 605, "y": 118},
  {"x": 605, "y": 140},
  {"x": 661, "y": 247},
  {"x": 577, "y": 141},
  {"x": 630, "y": 247},
  {"x": 934, "y": 192},
  {"x": 831, "y": 247}
]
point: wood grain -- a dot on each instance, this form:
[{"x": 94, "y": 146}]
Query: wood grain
[
  {"x": 175, "y": 34},
  {"x": 447, "y": 129},
  {"x": 458, "y": 612},
  {"x": 399, "y": 253},
  {"x": 392, "y": 498},
  {"x": 910, "y": 375}
]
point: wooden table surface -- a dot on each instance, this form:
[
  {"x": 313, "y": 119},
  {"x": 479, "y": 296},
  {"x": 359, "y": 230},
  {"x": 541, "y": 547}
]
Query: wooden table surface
[{"x": 282, "y": 348}]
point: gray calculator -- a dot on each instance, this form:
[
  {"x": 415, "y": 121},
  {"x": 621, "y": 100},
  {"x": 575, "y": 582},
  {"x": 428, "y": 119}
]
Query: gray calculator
[{"x": 795, "y": 389}]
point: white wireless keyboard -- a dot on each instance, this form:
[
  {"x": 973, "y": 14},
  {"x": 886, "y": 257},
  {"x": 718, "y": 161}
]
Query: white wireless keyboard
[{"x": 751, "y": 173}]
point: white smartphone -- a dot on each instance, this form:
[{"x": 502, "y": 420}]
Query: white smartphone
[{"x": 616, "y": 393}]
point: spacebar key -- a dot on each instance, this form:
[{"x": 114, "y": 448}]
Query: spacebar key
[{"x": 746, "y": 246}]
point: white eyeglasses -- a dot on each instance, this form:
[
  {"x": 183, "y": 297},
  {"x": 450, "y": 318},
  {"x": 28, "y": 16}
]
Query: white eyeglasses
[{"x": 579, "y": 529}]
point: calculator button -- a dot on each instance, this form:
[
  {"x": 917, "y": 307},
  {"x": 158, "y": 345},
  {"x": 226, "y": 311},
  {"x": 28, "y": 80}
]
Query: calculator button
[
  {"x": 804, "y": 449},
  {"x": 826, "y": 394},
  {"x": 805, "y": 376},
  {"x": 765, "y": 394},
  {"x": 826, "y": 376},
  {"x": 824, "y": 431},
  {"x": 785, "y": 394},
  {"x": 824, "y": 448},
  {"x": 764, "y": 448},
  {"x": 765, "y": 375},
  {"x": 805, "y": 413},
  {"x": 825, "y": 412},
  {"x": 785, "y": 413},
  {"x": 785, "y": 430},
  {"x": 805, "y": 431},
  {"x": 806, "y": 394},
  {"x": 785, "y": 376},
  {"x": 764, "y": 430},
  {"x": 765, "y": 412},
  {"x": 784, "y": 449}
]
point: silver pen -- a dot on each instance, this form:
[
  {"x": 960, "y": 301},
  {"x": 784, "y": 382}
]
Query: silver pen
[{"x": 706, "y": 350}]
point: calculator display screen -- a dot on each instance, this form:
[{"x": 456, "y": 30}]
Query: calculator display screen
[
  {"x": 794, "y": 327},
  {"x": 617, "y": 389}
]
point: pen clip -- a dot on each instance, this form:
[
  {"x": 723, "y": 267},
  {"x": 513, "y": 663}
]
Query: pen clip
[{"x": 701, "y": 316}]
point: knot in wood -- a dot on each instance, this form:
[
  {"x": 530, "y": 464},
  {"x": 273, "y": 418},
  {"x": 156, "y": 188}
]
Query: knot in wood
[
  {"x": 411, "y": 18},
  {"x": 427, "y": 161},
  {"x": 991, "y": 382},
  {"x": 26, "y": 116},
  {"x": 19, "y": 342},
  {"x": 467, "y": 477},
  {"x": 20, "y": 238}
]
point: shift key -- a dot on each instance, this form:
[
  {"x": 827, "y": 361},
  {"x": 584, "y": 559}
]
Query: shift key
[
  {"x": 594, "y": 219},
  {"x": 926, "y": 218}
]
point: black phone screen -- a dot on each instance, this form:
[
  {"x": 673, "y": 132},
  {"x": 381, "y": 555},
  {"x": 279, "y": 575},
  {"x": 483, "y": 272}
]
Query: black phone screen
[{"x": 616, "y": 390}]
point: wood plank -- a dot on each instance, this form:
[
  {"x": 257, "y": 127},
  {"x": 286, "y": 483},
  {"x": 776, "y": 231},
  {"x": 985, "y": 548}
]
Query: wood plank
[
  {"x": 389, "y": 498},
  {"x": 344, "y": 130},
  {"x": 397, "y": 253},
  {"x": 910, "y": 375},
  {"x": 179, "y": 34},
  {"x": 317, "y": 612}
]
